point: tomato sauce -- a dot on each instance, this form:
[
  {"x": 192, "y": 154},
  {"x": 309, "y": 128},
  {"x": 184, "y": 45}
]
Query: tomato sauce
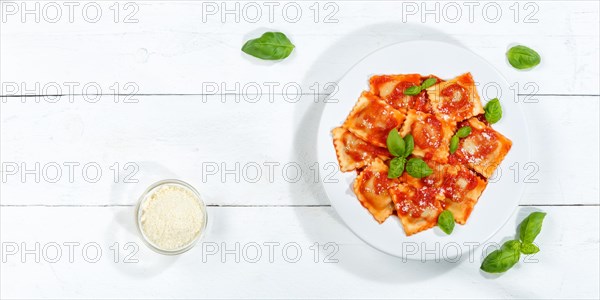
[
  {"x": 481, "y": 118},
  {"x": 381, "y": 183},
  {"x": 378, "y": 120},
  {"x": 456, "y": 159},
  {"x": 421, "y": 102},
  {"x": 456, "y": 101},
  {"x": 453, "y": 190},
  {"x": 427, "y": 135},
  {"x": 377, "y": 81},
  {"x": 486, "y": 142},
  {"x": 421, "y": 199},
  {"x": 396, "y": 98},
  {"x": 359, "y": 150}
]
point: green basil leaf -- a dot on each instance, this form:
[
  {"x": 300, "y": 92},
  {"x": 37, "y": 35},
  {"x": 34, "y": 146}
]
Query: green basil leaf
[
  {"x": 529, "y": 249},
  {"x": 270, "y": 46},
  {"x": 396, "y": 167},
  {"x": 417, "y": 168},
  {"x": 463, "y": 132},
  {"x": 531, "y": 226},
  {"x": 409, "y": 143},
  {"x": 413, "y": 90},
  {"x": 446, "y": 221},
  {"x": 428, "y": 82},
  {"x": 512, "y": 245},
  {"x": 501, "y": 260},
  {"x": 493, "y": 111},
  {"x": 522, "y": 57},
  {"x": 453, "y": 144},
  {"x": 395, "y": 143}
]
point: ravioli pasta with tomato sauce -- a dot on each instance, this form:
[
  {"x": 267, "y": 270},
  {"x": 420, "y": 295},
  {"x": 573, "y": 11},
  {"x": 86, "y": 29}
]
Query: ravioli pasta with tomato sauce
[
  {"x": 432, "y": 115},
  {"x": 431, "y": 135},
  {"x": 390, "y": 88},
  {"x": 371, "y": 119}
]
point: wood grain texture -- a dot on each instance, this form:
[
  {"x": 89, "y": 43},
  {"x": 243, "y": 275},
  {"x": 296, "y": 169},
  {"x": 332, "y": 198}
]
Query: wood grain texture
[
  {"x": 566, "y": 266},
  {"x": 223, "y": 119},
  {"x": 172, "y": 50},
  {"x": 241, "y": 153}
]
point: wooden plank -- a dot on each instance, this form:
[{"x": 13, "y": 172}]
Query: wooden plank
[
  {"x": 191, "y": 53},
  {"x": 239, "y": 153},
  {"x": 566, "y": 266}
]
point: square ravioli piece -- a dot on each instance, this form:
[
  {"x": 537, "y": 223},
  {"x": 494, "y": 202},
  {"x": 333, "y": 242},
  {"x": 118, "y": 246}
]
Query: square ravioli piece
[
  {"x": 371, "y": 119},
  {"x": 461, "y": 188},
  {"x": 371, "y": 187},
  {"x": 418, "y": 207},
  {"x": 391, "y": 88},
  {"x": 483, "y": 150},
  {"x": 431, "y": 135},
  {"x": 354, "y": 153},
  {"x": 456, "y": 99}
]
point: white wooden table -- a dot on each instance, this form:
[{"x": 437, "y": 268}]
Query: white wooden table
[{"x": 178, "y": 99}]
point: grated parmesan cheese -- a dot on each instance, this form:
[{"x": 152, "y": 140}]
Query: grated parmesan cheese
[{"x": 171, "y": 217}]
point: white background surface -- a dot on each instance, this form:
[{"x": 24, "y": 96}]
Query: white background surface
[{"x": 180, "y": 128}]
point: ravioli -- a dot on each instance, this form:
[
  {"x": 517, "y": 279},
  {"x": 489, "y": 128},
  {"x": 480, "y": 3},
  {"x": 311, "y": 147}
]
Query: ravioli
[
  {"x": 371, "y": 119},
  {"x": 371, "y": 187},
  {"x": 432, "y": 117},
  {"x": 391, "y": 88},
  {"x": 418, "y": 207},
  {"x": 431, "y": 135},
  {"x": 483, "y": 150},
  {"x": 352, "y": 152},
  {"x": 461, "y": 189},
  {"x": 456, "y": 99}
]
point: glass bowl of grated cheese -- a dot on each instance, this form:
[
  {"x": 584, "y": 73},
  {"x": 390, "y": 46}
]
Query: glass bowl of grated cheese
[{"x": 171, "y": 217}]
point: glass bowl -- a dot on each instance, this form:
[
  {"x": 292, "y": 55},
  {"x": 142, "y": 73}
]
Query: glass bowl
[{"x": 149, "y": 191}]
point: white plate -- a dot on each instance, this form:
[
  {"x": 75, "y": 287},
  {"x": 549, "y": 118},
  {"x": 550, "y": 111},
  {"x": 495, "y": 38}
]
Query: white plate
[{"x": 503, "y": 192}]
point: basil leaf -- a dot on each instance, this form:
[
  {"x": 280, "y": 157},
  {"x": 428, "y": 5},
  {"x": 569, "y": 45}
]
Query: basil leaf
[
  {"x": 512, "y": 245},
  {"x": 529, "y": 249},
  {"x": 395, "y": 143},
  {"x": 270, "y": 46},
  {"x": 531, "y": 226},
  {"x": 521, "y": 57},
  {"x": 493, "y": 111},
  {"x": 501, "y": 260},
  {"x": 508, "y": 255},
  {"x": 463, "y": 132},
  {"x": 453, "y": 144},
  {"x": 396, "y": 167},
  {"x": 428, "y": 82},
  {"x": 413, "y": 90},
  {"x": 417, "y": 168},
  {"x": 446, "y": 221},
  {"x": 409, "y": 143}
]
